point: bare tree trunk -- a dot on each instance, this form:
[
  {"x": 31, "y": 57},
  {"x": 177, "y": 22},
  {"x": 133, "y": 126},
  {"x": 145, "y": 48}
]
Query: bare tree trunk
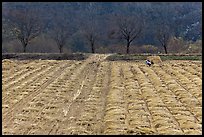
[
  {"x": 24, "y": 47},
  {"x": 128, "y": 45},
  {"x": 165, "y": 49},
  {"x": 60, "y": 48},
  {"x": 92, "y": 48}
]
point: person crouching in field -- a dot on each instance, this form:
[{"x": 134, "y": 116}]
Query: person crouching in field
[{"x": 148, "y": 62}]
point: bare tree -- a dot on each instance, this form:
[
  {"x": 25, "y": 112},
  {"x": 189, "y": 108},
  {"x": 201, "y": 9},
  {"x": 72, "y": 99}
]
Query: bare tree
[
  {"x": 163, "y": 35},
  {"x": 25, "y": 25},
  {"x": 164, "y": 24},
  {"x": 128, "y": 28},
  {"x": 91, "y": 38},
  {"x": 60, "y": 35},
  {"x": 61, "y": 27},
  {"x": 90, "y": 27},
  {"x": 91, "y": 35}
]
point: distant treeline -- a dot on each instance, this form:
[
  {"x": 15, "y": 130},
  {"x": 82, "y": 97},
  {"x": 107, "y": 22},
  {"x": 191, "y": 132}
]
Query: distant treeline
[{"x": 102, "y": 27}]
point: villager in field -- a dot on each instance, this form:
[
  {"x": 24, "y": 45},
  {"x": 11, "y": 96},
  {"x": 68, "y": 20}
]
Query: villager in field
[{"x": 148, "y": 62}]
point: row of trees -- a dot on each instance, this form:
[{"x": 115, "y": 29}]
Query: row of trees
[{"x": 131, "y": 23}]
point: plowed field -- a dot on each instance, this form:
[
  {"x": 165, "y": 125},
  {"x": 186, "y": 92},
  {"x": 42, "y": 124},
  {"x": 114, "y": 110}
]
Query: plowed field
[{"x": 95, "y": 96}]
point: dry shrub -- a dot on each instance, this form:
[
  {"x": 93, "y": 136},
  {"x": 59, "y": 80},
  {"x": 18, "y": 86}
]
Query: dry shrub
[
  {"x": 154, "y": 59},
  {"x": 116, "y": 48},
  {"x": 102, "y": 49},
  {"x": 176, "y": 45},
  {"x": 148, "y": 49},
  {"x": 11, "y": 46},
  {"x": 194, "y": 47}
]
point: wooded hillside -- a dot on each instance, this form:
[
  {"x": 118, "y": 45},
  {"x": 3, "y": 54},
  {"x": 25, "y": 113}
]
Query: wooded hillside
[{"x": 102, "y": 27}]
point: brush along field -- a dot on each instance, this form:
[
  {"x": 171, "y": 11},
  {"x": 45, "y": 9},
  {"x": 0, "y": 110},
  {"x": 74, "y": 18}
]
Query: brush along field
[{"x": 95, "y": 96}]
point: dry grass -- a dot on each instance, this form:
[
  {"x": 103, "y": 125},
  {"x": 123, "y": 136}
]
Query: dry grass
[
  {"x": 154, "y": 59},
  {"x": 95, "y": 96}
]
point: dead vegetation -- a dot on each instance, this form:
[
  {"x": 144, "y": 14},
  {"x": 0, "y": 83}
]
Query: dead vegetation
[
  {"x": 154, "y": 59},
  {"x": 95, "y": 96}
]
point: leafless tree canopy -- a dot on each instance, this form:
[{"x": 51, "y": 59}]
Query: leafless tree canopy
[
  {"x": 25, "y": 24},
  {"x": 128, "y": 28},
  {"x": 163, "y": 35},
  {"x": 91, "y": 36},
  {"x": 61, "y": 30},
  {"x": 90, "y": 28},
  {"x": 121, "y": 27}
]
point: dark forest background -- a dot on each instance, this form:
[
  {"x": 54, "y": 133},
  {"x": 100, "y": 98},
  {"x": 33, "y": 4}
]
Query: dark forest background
[{"x": 102, "y": 27}]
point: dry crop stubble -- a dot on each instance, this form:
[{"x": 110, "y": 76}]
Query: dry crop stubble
[{"x": 95, "y": 96}]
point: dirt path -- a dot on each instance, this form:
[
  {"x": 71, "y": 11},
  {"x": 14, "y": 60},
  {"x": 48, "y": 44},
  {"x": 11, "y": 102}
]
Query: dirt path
[{"x": 38, "y": 83}]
